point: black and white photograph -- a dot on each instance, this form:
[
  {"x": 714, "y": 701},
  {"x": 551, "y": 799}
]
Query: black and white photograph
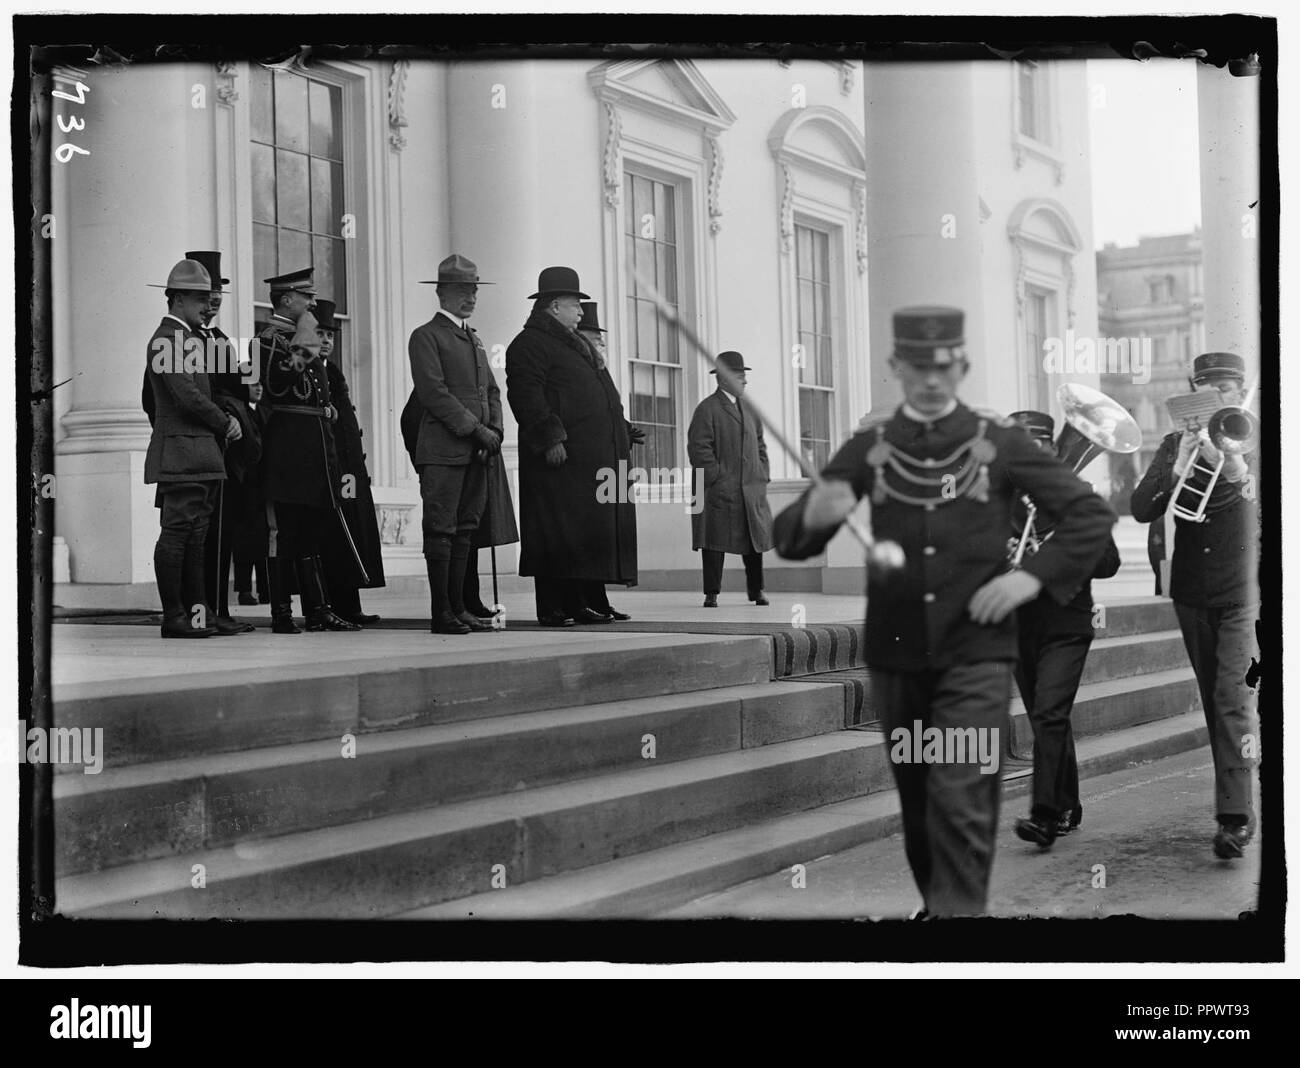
[{"x": 709, "y": 487}]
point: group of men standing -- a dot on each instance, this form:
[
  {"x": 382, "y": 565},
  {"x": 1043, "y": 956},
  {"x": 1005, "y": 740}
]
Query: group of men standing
[{"x": 257, "y": 461}]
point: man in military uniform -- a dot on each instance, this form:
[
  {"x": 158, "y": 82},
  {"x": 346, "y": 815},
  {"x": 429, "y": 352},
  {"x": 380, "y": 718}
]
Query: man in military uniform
[
  {"x": 1214, "y": 584},
  {"x": 941, "y": 631},
  {"x": 460, "y": 416},
  {"x": 185, "y": 451},
  {"x": 300, "y": 472},
  {"x": 1054, "y": 641}
]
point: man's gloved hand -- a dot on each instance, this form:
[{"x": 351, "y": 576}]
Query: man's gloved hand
[
  {"x": 636, "y": 435},
  {"x": 1187, "y": 447},
  {"x": 828, "y": 504},
  {"x": 233, "y": 430},
  {"x": 1000, "y": 596},
  {"x": 487, "y": 437},
  {"x": 556, "y": 455}
]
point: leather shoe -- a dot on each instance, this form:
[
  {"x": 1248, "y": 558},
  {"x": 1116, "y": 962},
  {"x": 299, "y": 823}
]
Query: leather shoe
[
  {"x": 555, "y": 619},
  {"x": 472, "y": 621},
  {"x": 447, "y": 623},
  {"x": 760, "y": 600},
  {"x": 359, "y": 618},
  {"x": 181, "y": 628},
  {"x": 1036, "y": 829},
  {"x": 479, "y": 610},
  {"x": 247, "y": 598},
  {"x": 710, "y": 600},
  {"x": 1068, "y": 821},
  {"x": 590, "y": 615},
  {"x": 323, "y": 619},
  {"x": 1230, "y": 842},
  {"x": 617, "y": 616},
  {"x": 226, "y": 626}
]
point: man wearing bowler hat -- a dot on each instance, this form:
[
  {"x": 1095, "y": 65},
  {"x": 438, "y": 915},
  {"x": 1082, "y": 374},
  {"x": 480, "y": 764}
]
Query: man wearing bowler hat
[
  {"x": 460, "y": 416},
  {"x": 1053, "y": 640},
  {"x": 727, "y": 445},
  {"x": 184, "y": 457},
  {"x": 573, "y": 439},
  {"x": 301, "y": 481},
  {"x": 1214, "y": 584},
  {"x": 941, "y": 631}
]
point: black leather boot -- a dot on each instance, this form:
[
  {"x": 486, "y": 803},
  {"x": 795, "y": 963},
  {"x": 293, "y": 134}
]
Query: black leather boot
[
  {"x": 169, "y": 569},
  {"x": 442, "y": 620},
  {"x": 315, "y": 602},
  {"x": 277, "y": 571},
  {"x": 194, "y": 592}
]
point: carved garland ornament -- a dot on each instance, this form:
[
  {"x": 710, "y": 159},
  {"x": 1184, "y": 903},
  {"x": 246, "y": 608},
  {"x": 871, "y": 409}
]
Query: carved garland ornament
[
  {"x": 612, "y": 158},
  {"x": 226, "y": 92},
  {"x": 715, "y": 183},
  {"x": 397, "y": 103},
  {"x": 860, "y": 225},
  {"x": 787, "y": 208}
]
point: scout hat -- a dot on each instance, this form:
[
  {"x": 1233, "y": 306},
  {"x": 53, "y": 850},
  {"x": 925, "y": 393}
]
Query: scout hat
[
  {"x": 1218, "y": 365},
  {"x": 212, "y": 264},
  {"x": 732, "y": 361},
  {"x": 456, "y": 270},
  {"x": 558, "y": 282},
  {"x": 187, "y": 275},
  {"x": 930, "y": 334},
  {"x": 296, "y": 281},
  {"x": 590, "y": 320}
]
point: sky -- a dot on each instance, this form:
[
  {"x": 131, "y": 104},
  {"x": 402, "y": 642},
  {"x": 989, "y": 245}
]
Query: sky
[{"x": 1145, "y": 169}]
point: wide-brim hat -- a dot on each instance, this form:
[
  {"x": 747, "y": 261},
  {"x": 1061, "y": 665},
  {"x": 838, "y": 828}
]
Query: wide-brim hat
[
  {"x": 1218, "y": 365},
  {"x": 324, "y": 314},
  {"x": 212, "y": 264},
  {"x": 456, "y": 270},
  {"x": 558, "y": 282},
  {"x": 931, "y": 334},
  {"x": 732, "y": 361},
  {"x": 1039, "y": 424},
  {"x": 590, "y": 320},
  {"x": 189, "y": 275}
]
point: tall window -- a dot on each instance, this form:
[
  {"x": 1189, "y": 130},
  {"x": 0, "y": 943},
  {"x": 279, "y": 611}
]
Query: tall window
[
  {"x": 651, "y": 235},
  {"x": 814, "y": 324},
  {"x": 1038, "y": 327},
  {"x": 1029, "y": 82},
  {"x": 298, "y": 190}
]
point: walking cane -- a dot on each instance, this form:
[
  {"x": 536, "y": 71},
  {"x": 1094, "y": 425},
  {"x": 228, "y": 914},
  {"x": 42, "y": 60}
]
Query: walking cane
[{"x": 883, "y": 555}]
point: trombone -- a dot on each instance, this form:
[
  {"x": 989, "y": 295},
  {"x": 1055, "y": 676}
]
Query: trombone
[
  {"x": 1094, "y": 423},
  {"x": 1233, "y": 430}
]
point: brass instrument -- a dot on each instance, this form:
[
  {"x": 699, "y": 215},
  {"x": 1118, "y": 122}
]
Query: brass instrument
[
  {"x": 1093, "y": 424},
  {"x": 1234, "y": 431}
]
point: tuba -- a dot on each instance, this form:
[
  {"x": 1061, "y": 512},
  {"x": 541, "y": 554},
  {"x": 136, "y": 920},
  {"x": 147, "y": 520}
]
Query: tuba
[
  {"x": 1233, "y": 431},
  {"x": 1094, "y": 423}
]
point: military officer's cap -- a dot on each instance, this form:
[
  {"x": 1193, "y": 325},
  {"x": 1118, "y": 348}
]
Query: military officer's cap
[
  {"x": 188, "y": 275},
  {"x": 295, "y": 281},
  {"x": 1210, "y": 365},
  {"x": 324, "y": 315},
  {"x": 929, "y": 334},
  {"x": 456, "y": 270},
  {"x": 1040, "y": 425},
  {"x": 212, "y": 264}
]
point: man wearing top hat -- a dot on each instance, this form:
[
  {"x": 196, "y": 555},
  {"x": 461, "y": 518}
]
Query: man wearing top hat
[
  {"x": 184, "y": 457},
  {"x": 358, "y": 541},
  {"x": 1214, "y": 584},
  {"x": 301, "y": 481},
  {"x": 941, "y": 631},
  {"x": 575, "y": 533},
  {"x": 727, "y": 445},
  {"x": 460, "y": 416},
  {"x": 1054, "y": 640}
]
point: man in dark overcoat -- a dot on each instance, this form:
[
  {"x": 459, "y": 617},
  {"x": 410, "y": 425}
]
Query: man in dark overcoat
[
  {"x": 184, "y": 457},
  {"x": 941, "y": 630},
  {"x": 358, "y": 541},
  {"x": 577, "y": 518},
  {"x": 460, "y": 417},
  {"x": 726, "y": 444},
  {"x": 300, "y": 474}
]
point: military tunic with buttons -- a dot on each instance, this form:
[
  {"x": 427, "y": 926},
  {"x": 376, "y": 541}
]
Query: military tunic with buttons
[{"x": 944, "y": 491}]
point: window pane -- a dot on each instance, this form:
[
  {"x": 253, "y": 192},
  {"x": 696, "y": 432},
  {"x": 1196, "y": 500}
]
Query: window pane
[
  {"x": 291, "y": 190},
  {"x": 290, "y": 111},
  {"x": 326, "y": 197},
  {"x": 823, "y": 242},
  {"x": 263, "y": 173},
  {"x": 264, "y": 257},
  {"x": 806, "y": 320},
  {"x": 642, "y": 389},
  {"x": 642, "y": 204},
  {"x": 823, "y": 295},
  {"x": 295, "y": 251},
  {"x": 259, "y": 107},
  {"x": 629, "y": 217},
  {"x": 803, "y": 251},
  {"x": 322, "y": 258},
  {"x": 666, "y": 271},
  {"x": 647, "y": 347},
  {"x": 338, "y": 249},
  {"x": 326, "y": 102},
  {"x": 825, "y": 365}
]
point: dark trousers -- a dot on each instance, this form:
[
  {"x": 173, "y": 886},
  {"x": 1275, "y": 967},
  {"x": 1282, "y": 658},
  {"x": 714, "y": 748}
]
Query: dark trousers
[
  {"x": 1048, "y": 677},
  {"x": 244, "y": 573},
  {"x": 711, "y": 560},
  {"x": 219, "y": 546},
  {"x": 454, "y": 498},
  {"x": 297, "y": 530},
  {"x": 569, "y": 596},
  {"x": 185, "y": 510},
  {"x": 1220, "y": 644},
  {"x": 950, "y": 807}
]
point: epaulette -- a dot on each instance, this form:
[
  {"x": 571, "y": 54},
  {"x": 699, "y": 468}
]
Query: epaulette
[
  {"x": 996, "y": 418},
  {"x": 872, "y": 420}
]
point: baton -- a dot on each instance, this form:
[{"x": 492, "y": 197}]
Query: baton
[{"x": 885, "y": 555}]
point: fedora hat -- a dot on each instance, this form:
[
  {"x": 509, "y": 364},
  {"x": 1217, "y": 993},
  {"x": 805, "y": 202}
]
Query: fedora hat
[
  {"x": 456, "y": 270},
  {"x": 212, "y": 264},
  {"x": 732, "y": 361},
  {"x": 189, "y": 275},
  {"x": 558, "y": 282}
]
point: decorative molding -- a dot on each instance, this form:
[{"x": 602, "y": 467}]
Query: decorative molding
[
  {"x": 393, "y": 520},
  {"x": 787, "y": 208},
  {"x": 1070, "y": 316},
  {"x": 860, "y": 225},
  {"x": 715, "y": 182},
  {"x": 397, "y": 103},
  {"x": 1020, "y": 280},
  {"x": 612, "y": 159},
  {"x": 104, "y": 430},
  {"x": 847, "y": 71},
  {"x": 226, "y": 74}
]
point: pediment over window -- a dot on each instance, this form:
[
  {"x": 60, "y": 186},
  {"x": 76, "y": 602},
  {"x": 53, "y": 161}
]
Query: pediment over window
[
  {"x": 1046, "y": 223},
  {"x": 671, "y": 88},
  {"x": 821, "y": 138}
]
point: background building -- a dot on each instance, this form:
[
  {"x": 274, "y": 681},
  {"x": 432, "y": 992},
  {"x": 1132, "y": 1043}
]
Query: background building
[{"x": 786, "y": 209}]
